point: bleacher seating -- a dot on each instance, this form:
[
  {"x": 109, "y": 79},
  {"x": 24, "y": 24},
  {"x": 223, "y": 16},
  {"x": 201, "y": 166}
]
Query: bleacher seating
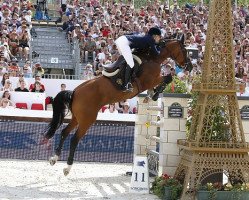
[
  {"x": 53, "y": 48},
  {"x": 22, "y": 105},
  {"x": 37, "y": 106},
  {"x": 103, "y": 109}
]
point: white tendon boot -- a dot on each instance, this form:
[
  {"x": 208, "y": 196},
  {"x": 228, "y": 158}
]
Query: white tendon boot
[
  {"x": 53, "y": 160},
  {"x": 67, "y": 170}
]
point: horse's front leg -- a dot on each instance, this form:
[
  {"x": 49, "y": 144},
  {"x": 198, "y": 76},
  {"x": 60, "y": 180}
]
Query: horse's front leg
[
  {"x": 73, "y": 145},
  {"x": 160, "y": 88}
]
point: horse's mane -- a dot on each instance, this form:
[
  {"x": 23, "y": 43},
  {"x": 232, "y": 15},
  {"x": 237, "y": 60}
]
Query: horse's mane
[{"x": 164, "y": 41}]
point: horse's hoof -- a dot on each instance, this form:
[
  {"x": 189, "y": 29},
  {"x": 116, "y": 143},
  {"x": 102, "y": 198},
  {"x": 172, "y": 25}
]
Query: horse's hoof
[
  {"x": 53, "y": 160},
  {"x": 155, "y": 96},
  {"x": 66, "y": 171}
]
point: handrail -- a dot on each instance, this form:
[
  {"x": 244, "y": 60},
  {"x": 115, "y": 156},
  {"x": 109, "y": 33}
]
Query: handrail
[
  {"x": 85, "y": 76},
  {"x": 62, "y": 76}
]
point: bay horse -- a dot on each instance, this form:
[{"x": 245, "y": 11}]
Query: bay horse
[{"x": 89, "y": 97}]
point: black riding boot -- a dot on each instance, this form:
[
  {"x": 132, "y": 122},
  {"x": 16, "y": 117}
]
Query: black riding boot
[{"x": 127, "y": 83}]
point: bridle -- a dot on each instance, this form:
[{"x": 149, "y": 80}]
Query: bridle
[{"x": 188, "y": 65}]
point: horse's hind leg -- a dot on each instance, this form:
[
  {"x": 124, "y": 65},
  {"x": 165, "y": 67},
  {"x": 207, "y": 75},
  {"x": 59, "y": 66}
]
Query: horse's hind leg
[
  {"x": 73, "y": 145},
  {"x": 65, "y": 132},
  {"x": 87, "y": 120}
]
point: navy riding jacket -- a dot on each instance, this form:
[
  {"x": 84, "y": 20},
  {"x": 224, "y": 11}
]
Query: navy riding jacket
[{"x": 143, "y": 42}]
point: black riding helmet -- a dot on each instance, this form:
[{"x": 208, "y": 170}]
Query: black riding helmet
[{"x": 154, "y": 31}]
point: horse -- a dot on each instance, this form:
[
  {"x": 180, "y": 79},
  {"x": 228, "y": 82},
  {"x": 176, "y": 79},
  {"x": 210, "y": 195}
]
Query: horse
[{"x": 89, "y": 97}]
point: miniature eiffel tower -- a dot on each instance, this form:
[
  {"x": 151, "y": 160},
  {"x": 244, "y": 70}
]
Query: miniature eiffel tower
[{"x": 216, "y": 143}]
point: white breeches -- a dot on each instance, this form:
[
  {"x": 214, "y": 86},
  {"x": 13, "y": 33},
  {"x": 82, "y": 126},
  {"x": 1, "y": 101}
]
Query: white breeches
[{"x": 124, "y": 49}]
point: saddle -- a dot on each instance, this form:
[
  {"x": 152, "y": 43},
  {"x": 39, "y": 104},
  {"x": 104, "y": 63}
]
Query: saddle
[{"x": 116, "y": 71}]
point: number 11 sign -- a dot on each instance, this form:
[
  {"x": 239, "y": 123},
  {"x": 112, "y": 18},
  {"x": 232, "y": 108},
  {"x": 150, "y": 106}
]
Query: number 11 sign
[{"x": 140, "y": 176}]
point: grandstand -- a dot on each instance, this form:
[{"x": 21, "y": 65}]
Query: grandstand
[{"x": 58, "y": 47}]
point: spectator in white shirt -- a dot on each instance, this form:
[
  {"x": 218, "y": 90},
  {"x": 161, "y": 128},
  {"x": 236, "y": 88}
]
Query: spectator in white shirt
[
  {"x": 111, "y": 109},
  {"x": 6, "y": 104}
]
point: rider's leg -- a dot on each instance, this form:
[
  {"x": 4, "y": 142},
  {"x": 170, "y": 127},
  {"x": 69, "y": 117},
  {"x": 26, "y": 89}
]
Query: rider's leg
[
  {"x": 127, "y": 80},
  {"x": 125, "y": 50}
]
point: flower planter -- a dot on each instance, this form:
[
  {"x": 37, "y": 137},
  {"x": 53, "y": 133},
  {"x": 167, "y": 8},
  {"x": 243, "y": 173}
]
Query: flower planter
[
  {"x": 167, "y": 193},
  {"x": 230, "y": 195},
  {"x": 203, "y": 195},
  {"x": 222, "y": 195},
  {"x": 166, "y": 187}
]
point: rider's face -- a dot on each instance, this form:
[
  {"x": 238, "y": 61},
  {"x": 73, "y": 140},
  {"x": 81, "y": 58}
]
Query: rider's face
[{"x": 157, "y": 38}]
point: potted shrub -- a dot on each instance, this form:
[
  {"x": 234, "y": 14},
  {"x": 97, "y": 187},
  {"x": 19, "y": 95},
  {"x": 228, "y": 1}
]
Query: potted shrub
[
  {"x": 218, "y": 191},
  {"x": 167, "y": 187},
  {"x": 176, "y": 86}
]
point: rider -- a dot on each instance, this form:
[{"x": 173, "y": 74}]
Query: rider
[{"x": 127, "y": 42}]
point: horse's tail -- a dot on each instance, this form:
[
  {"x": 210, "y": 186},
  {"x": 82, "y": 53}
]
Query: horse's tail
[{"x": 61, "y": 102}]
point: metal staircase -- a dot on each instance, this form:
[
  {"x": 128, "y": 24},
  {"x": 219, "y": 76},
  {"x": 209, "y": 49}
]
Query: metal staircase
[{"x": 54, "y": 50}]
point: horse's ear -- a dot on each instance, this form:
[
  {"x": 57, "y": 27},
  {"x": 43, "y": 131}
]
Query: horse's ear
[{"x": 182, "y": 39}]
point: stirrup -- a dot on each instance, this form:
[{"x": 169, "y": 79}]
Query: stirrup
[{"x": 128, "y": 88}]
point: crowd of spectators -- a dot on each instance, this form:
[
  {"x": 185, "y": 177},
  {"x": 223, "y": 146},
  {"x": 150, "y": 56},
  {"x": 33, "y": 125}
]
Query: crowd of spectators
[
  {"x": 97, "y": 25},
  {"x": 15, "y": 26},
  {"x": 120, "y": 107},
  {"x": 15, "y": 35}
]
